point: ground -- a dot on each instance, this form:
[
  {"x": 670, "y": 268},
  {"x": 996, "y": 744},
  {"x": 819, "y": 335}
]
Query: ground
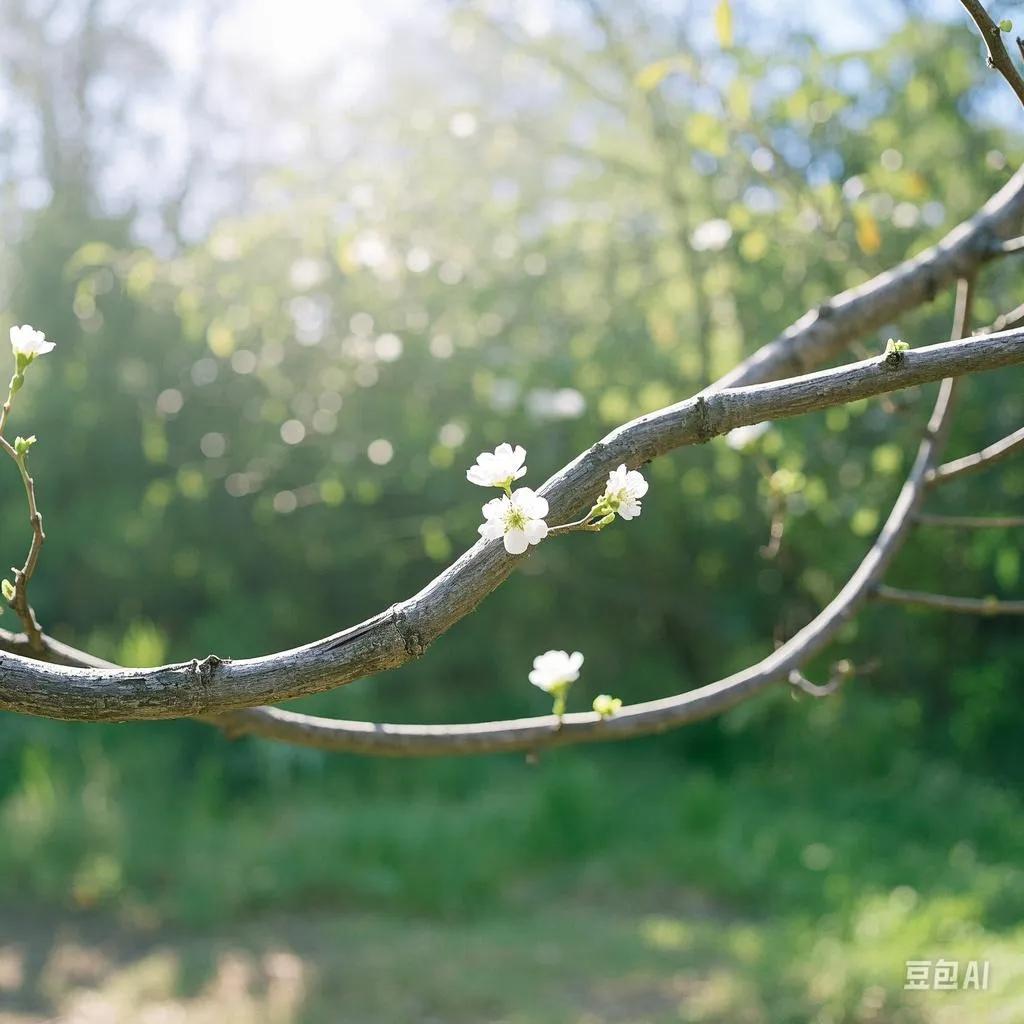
[{"x": 668, "y": 957}]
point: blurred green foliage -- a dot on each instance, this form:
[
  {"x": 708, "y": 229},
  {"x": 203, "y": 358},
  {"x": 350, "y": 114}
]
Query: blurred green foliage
[{"x": 253, "y": 439}]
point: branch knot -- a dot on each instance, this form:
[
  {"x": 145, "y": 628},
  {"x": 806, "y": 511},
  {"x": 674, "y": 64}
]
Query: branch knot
[
  {"x": 705, "y": 428},
  {"x": 412, "y": 639},
  {"x": 204, "y": 670}
]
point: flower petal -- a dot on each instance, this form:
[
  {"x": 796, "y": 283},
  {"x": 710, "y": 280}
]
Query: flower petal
[
  {"x": 490, "y": 530},
  {"x": 637, "y": 484},
  {"x": 516, "y": 542},
  {"x": 530, "y": 502},
  {"x": 536, "y": 530},
  {"x": 496, "y": 508}
]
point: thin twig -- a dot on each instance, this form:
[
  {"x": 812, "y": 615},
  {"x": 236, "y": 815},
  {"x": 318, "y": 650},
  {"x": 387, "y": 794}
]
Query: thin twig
[
  {"x": 583, "y": 524},
  {"x": 944, "y": 602},
  {"x": 1008, "y": 247},
  {"x": 979, "y": 460},
  {"x": 1005, "y": 321},
  {"x": 775, "y": 532},
  {"x": 19, "y": 602},
  {"x": 841, "y": 672},
  {"x": 971, "y": 522},
  {"x": 998, "y": 58}
]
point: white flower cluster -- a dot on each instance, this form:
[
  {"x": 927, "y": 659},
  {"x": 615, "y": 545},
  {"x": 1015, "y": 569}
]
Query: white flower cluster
[
  {"x": 623, "y": 492},
  {"x": 518, "y": 517}
]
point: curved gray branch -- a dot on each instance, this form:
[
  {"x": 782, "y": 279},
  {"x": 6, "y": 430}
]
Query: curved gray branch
[
  {"x": 199, "y": 688},
  {"x": 391, "y": 638}
]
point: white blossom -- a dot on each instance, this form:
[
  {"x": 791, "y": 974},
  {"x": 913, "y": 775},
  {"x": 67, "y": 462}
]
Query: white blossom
[
  {"x": 623, "y": 492},
  {"x": 518, "y": 519},
  {"x": 555, "y": 670},
  {"x": 29, "y": 343},
  {"x": 498, "y": 468}
]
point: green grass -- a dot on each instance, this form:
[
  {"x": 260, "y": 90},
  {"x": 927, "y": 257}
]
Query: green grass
[{"x": 628, "y": 884}]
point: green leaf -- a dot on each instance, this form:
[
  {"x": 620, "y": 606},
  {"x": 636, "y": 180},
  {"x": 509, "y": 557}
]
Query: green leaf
[
  {"x": 723, "y": 23},
  {"x": 22, "y": 445},
  {"x": 651, "y": 76}
]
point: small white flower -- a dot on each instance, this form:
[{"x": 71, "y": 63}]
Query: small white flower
[
  {"x": 498, "y": 468},
  {"x": 623, "y": 492},
  {"x": 519, "y": 520},
  {"x": 555, "y": 670},
  {"x": 29, "y": 343},
  {"x": 743, "y": 437}
]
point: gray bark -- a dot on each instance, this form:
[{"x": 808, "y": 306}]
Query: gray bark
[{"x": 405, "y": 630}]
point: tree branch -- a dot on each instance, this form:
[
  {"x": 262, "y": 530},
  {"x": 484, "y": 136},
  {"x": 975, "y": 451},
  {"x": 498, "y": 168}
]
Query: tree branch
[
  {"x": 998, "y": 59},
  {"x": 391, "y": 638},
  {"x": 979, "y": 460},
  {"x": 403, "y": 631},
  {"x": 971, "y": 522},
  {"x": 656, "y": 716},
  {"x": 841, "y": 671},
  {"x": 964, "y": 605},
  {"x": 823, "y": 333},
  {"x": 76, "y": 686}
]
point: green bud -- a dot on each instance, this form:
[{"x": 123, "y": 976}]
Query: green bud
[
  {"x": 17, "y": 381},
  {"x": 1006, "y": 25},
  {"x": 610, "y": 518},
  {"x": 606, "y": 705},
  {"x": 894, "y": 350},
  {"x": 7, "y": 588},
  {"x": 22, "y": 445}
]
